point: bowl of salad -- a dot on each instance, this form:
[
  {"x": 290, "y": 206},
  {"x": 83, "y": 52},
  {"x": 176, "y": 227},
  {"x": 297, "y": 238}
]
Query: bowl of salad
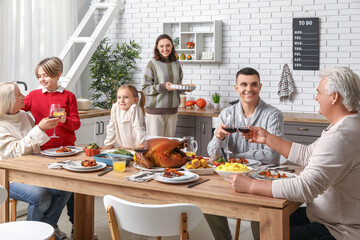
[
  {"x": 92, "y": 149},
  {"x": 218, "y": 162}
]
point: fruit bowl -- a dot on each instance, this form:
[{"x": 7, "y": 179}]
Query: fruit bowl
[{"x": 91, "y": 152}]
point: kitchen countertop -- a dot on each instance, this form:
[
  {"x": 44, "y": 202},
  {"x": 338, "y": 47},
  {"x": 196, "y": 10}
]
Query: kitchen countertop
[
  {"x": 94, "y": 113},
  {"x": 210, "y": 112}
]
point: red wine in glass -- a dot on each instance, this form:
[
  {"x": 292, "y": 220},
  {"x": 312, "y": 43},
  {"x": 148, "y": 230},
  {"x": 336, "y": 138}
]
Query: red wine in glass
[
  {"x": 230, "y": 129},
  {"x": 243, "y": 129}
]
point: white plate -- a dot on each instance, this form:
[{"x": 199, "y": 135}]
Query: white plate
[
  {"x": 77, "y": 165},
  {"x": 52, "y": 152},
  {"x": 200, "y": 171},
  {"x": 185, "y": 177},
  {"x": 100, "y": 166},
  {"x": 258, "y": 176},
  {"x": 159, "y": 178},
  {"x": 253, "y": 162},
  {"x": 183, "y": 87},
  {"x": 153, "y": 169}
]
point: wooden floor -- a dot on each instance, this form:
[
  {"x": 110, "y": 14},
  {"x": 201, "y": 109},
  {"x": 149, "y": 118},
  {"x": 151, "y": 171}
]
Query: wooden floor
[{"x": 201, "y": 232}]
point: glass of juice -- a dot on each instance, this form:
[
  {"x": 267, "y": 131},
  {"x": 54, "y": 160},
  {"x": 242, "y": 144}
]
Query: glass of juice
[{"x": 119, "y": 164}]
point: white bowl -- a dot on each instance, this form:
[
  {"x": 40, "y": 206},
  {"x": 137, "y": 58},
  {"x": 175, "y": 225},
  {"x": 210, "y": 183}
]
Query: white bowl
[
  {"x": 83, "y": 104},
  {"x": 226, "y": 174}
]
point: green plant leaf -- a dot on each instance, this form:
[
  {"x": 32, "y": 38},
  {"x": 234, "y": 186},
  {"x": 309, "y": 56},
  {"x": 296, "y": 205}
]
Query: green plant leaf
[{"x": 110, "y": 67}]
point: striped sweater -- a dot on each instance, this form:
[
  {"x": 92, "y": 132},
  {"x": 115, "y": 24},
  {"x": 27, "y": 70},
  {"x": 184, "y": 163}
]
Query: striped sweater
[{"x": 158, "y": 100}]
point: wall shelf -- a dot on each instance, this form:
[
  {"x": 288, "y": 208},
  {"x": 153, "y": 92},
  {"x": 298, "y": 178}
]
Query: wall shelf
[{"x": 207, "y": 36}]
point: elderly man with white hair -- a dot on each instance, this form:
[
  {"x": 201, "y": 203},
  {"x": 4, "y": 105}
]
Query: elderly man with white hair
[{"x": 328, "y": 183}]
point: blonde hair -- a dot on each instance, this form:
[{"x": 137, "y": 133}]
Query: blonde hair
[
  {"x": 52, "y": 66},
  {"x": 135, "y": 93},
  {"x": 7, "y": 97}
]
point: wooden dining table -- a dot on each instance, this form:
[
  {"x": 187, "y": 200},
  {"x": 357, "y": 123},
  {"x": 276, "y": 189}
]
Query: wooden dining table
[{"x": 213, "y": 197}]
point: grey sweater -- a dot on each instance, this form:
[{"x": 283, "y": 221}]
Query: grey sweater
[
  {"x": 158, "y": 99},
  {"x": 265, "y": 116},
  {"x": 329, "y": 182}
]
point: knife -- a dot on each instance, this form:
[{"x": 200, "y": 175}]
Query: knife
[
  {"x": 197, "y": 183},
  {"x": 105, "y": 172},
  {"x": 40, "y": 155}
]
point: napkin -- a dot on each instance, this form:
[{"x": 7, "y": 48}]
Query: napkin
[
  {"x": 58, "y": 165},
  {"x": 141, "y": 176},
  {"x": 286, "y": 85}
]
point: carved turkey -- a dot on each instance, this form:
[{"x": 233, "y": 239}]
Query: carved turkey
[{"x": 164, "y": 153}]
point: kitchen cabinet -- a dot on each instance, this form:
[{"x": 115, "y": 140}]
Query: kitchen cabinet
[
  {"x": 92, "y": 130},
  {"x": 304, "y": 133},
  {"x": 207, "y": 36},
  {"x": 198, "y": 127}
]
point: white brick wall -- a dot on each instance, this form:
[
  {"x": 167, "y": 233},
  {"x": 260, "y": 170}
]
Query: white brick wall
[{"x": 257, "y": 33}]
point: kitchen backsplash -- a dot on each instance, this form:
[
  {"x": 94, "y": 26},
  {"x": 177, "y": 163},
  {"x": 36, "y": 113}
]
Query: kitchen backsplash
[{"x": 255, "y": 33}]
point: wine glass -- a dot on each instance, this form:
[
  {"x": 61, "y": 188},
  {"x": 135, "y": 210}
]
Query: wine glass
[
  {"x": 142, "y": 145},
  {"x": 55, "y": 112},
  {"x": 229, "y": 128}
]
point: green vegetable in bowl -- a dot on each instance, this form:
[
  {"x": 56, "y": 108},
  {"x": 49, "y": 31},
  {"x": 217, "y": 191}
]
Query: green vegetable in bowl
[
  {"x": 122, "y": 151},
  {"x": 92, "y": 146},
  {"x": 220, "y": 160}
]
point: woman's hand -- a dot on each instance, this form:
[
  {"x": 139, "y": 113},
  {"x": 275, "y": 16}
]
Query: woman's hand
[
  {"x": 167, "y": 85},
  {"x": 48, "y": 123},
  {"x": 256, "y": 135},
  {"x": 220, "y": 132}
]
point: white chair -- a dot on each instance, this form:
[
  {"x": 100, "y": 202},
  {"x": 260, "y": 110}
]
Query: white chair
[
  {"x": 30, "y": 230},
  {"x": 151, "y": 220}
]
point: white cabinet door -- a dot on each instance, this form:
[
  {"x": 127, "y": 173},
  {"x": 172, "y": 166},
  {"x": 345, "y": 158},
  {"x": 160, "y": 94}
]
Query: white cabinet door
[{"x": 92, "y": 130}]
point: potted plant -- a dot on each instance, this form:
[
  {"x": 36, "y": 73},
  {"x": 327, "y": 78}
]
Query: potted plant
[
  {"x": 216, "y": 100},
  {"x": 110, "y": 67}
]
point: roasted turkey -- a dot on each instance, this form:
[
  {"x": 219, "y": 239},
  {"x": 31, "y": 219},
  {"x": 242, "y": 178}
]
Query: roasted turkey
[{"x": 164, "y": 153}]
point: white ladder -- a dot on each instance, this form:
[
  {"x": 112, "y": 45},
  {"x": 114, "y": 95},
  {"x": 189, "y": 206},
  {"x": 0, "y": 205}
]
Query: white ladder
[{"x": 112, "y": 8}]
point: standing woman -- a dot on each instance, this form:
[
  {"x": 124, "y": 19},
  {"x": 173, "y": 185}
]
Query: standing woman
[{"x": 162, "y": 101}]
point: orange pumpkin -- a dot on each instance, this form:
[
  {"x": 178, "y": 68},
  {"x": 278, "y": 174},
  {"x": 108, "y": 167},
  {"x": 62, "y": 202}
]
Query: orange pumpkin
[{"x": 201, "y": 103}]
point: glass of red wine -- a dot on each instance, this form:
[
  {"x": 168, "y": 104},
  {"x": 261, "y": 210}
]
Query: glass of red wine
[{"x": 142, "y": 146}]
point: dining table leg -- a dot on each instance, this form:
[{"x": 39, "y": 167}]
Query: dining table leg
[
  {"x": 83, "y": 217},
  {"x": 274, "y": 224},
  {"x": 4, "y": 208}
]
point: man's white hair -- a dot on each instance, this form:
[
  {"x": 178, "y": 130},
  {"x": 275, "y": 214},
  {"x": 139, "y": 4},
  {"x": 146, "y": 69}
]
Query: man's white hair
[{"x": 344, "y": 81}]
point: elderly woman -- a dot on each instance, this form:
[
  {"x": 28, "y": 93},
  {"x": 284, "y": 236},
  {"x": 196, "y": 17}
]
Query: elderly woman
[
  {"x": 328, "y": 183},
  {"x": 19, "y": 136}
]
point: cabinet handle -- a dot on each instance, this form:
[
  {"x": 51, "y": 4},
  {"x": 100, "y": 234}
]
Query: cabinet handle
[
  {"x": 97, "y": 128},
  {"x": 102, "y": 127},
  {"x": 203, "y": 128},
  {"x": 303, "y": 129}
]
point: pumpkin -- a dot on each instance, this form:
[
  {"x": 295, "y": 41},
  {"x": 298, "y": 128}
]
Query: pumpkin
[
  {"x": 182, "y": 56},
  {"x": 201, "y": 103},
  {"x": 189, "y": 57}
]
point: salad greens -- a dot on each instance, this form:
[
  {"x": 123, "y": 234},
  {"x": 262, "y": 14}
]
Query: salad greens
[{"x": 122, "y": 151}]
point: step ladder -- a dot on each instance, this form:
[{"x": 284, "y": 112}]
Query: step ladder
[{"x": 112, "y": 7}]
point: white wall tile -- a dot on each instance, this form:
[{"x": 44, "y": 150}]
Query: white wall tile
[{"x": 255, "y": 34}]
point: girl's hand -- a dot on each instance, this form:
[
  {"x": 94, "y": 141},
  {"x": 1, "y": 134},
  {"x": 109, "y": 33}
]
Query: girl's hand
[
  {"x": 167, "y": 85},
  {"x": 63, "y": 117},
  {"x": 256, "y": 135},
  {"x": 48, "y": 123}
]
